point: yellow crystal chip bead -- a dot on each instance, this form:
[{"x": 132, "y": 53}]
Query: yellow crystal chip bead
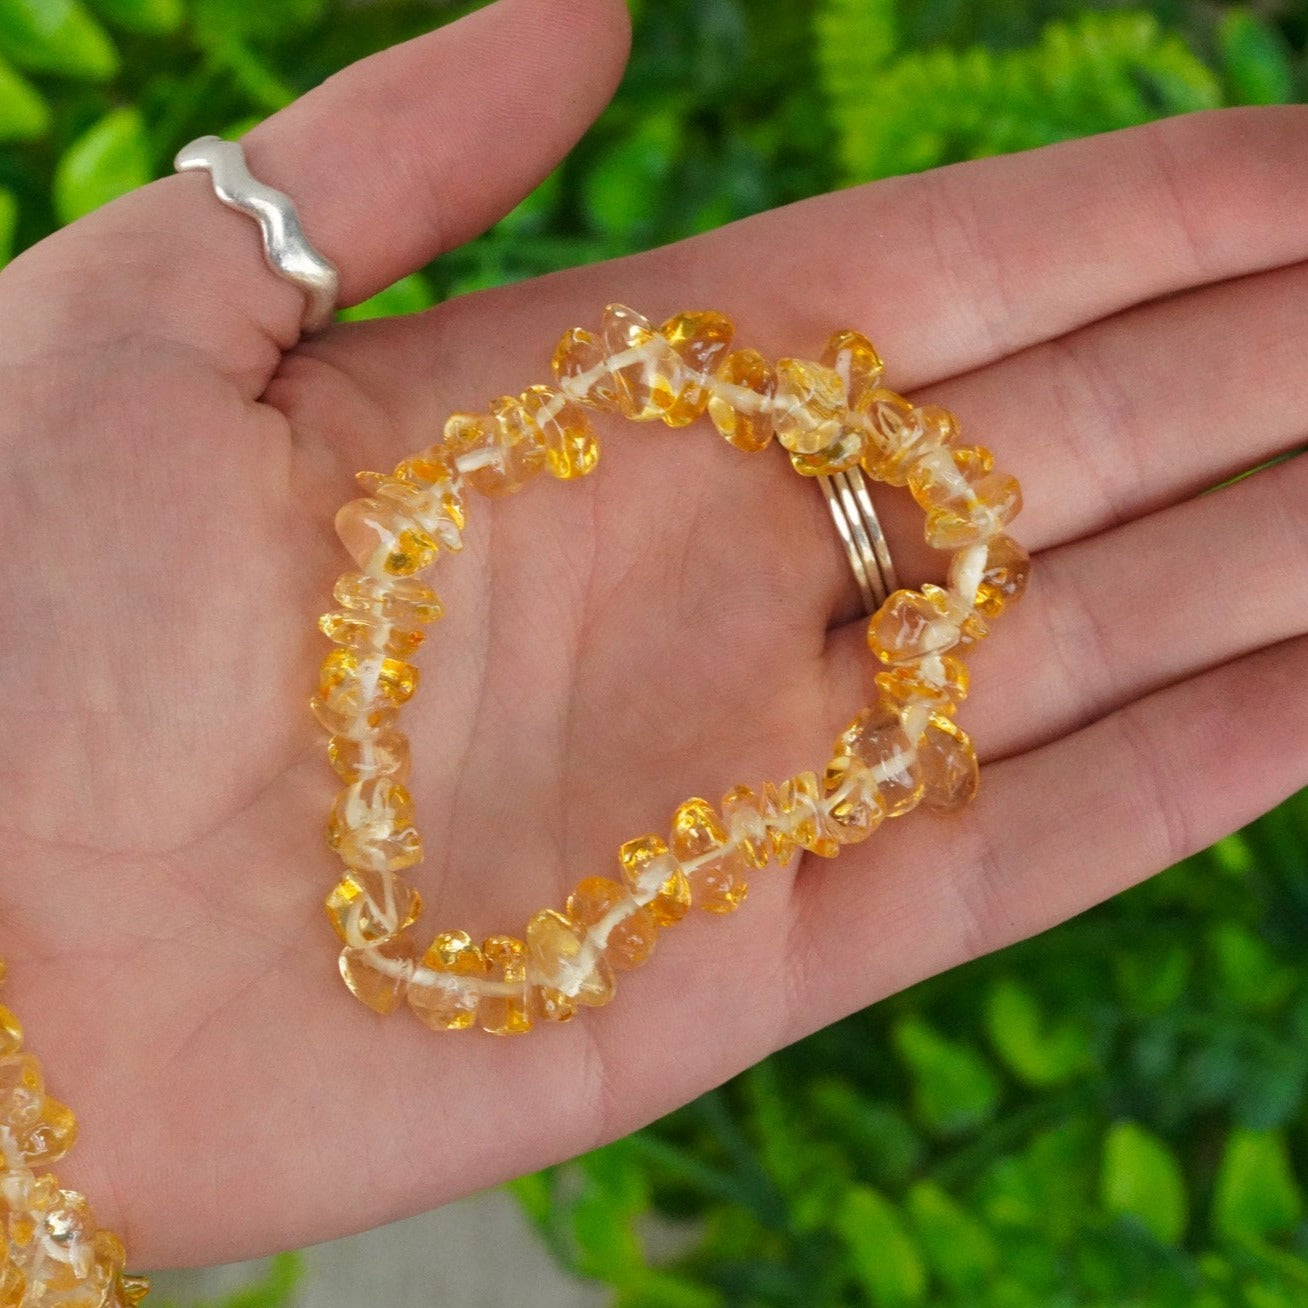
[
  {"x": 13, "y": 1285},
  {"x": 435, "y": 509},
  {"x": 382, "y": 540},
  {"x": 363, "y": 632},
  {"x": 506, "y": 959},
  {"x": 718, "y": 872},
  {"x": 631, "y": 940},
  {"x": 908, "y": 627},
  {"x": 368, "y": 905},
  {"x": 899, "y": 434},
  {"x": 700, "y": 339},
  {"x": 649, "y": 373},
  {"x": 948, "y": 760},
  {"x": 22, "y": 1091},
  {"x": 936, "y": 682},
  {"x": 571, "y": 446},
  {"x": 353, "y": 681},
  {"x": 403, "y": 600},
  {"x": 580, "y": 366},
  {"x": 854, "y": 803},
  {"x": 371, "y": 826},
  {"x": 740, "y": 399},
  {"x": 877, "y": 739},
  {"x": 11, "y": 1033},
  {"x": 510, "y": 450},
  {"x": 800, "y": 798},
  {"x": 965, "y": 501},
  {"x": 558, "y": 961},
  {"x": 844, "y": 452},
  {"x": 855, "y": 359},
  {"x": 809, "y": 406},
  {"x": 646, "y": 861},
  {"x": 378, "y": 974},
  {"x": 385, "y": 753},
  {"x": 452, "y": 1006},
  {"x": 743, "y": 817},
  {"x": 1004, "y": 578}
]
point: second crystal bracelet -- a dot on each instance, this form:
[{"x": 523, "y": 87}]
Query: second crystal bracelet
[{"x": 902, "y": 751}]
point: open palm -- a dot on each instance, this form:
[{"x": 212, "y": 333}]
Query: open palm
[{"x": 1119, "y": 318}]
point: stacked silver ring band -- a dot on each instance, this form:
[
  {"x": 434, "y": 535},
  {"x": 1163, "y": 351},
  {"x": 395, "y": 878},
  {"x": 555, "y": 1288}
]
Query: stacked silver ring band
[
  {"x": 290, "y": 255},
  {"x": 860, "y": 531}
]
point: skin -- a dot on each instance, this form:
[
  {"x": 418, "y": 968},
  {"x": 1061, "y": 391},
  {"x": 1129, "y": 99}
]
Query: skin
[{"x": 1119, "y": 318}]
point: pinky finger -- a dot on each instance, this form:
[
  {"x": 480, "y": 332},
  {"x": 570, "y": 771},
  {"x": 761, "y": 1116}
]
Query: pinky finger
[{"x": 1053, "y": 832}]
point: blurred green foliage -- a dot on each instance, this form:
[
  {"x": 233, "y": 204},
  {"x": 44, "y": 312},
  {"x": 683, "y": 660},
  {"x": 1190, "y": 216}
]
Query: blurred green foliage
[{"x": 1111, "y": 1115}]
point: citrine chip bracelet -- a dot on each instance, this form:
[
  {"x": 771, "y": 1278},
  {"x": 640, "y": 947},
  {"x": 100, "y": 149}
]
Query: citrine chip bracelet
[{"x": 902, "y": 751}]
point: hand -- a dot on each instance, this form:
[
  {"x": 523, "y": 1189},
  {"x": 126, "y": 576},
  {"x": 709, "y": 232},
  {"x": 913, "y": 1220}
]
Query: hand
[{"x": 1119, "y": 318}]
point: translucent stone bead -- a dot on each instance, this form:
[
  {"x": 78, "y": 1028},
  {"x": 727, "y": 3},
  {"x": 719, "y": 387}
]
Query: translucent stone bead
[
  {"x": 378, "y": 975},
  {"x": 50, "y": 1137},
  {"x": 13, "y": 1285},
  {"x": 403, "y": 600},
  {"x": 742, "y": 815},
  {"x": 361, "y": 631},
  {"x": 907, "y": 627},
  {"x": 936, "y": 682},
  {"x": 646, "y": 863},
  {"x": 971, "y": 625},
  {"x": 348, "y": 721},
  {"x": 854, "y": 357},
  {"x": 437, "y": 510},
  {"x": 557, "y": 959},
  {"x": 780, "y": 842},
  {"x": 354, "y": 683},
  {"x": 368, "y": 905},
  {"x": 844, "y": 452},
  {"x": 1003, "y": 582},
  {"x": 740, "y": 399},
  {"x": 716, "y": 869},
  {"x": 800, "y": 800},
  {"x": 382, "y": 540},
  {"x": 449, "y": 1007},
  {"x": 371, "y": 826},
  {"x": 649, "y": 373},
  {"x": 949, "y": 765},
  {"x": 571, "y": 446},
  {"x": 580, "y": 366},
  {"x": 631, "y": 939},
  {"x": 900, "y": 433},
  {"x": 506, "y": 959},
  {"x": 385, "y": 754},
  {"x": 700, "y": 339},
  {"x": 877, "y": 739},
  {"x": 965, "y": 501},
  {"x": 855, "y": 806},
  {"x": 11, "y": 1033},
  {"x": 429, "y": 467},
  {"x": 22, "y": 1092},
  {"x": 512, "y": 455},
  {"x": 809, "y": 406}
]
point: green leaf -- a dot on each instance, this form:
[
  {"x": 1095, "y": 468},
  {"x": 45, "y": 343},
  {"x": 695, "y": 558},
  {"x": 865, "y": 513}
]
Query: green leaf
[
  {"x": 883, "y": 1255},
  {"x": 148, "y": 17},
  {"x": 1256, "y": 1194},
  {"x": 410, "y": 294},
  {"x": 103, "y": 163},
  {"x": 8, "y": 224},
  {"x": 56, "y": 36},
  {"x": 602, "y": 1216},
  {"x": 1038, "y": 1054},
  {"x": 1152, "y": 978},
  {"x": 660, "y": 1289},
  {"x": 1142, "y": 1178},
  {"x": 954, "y": 1088},
  {"x": 219, "y": 21},
  {"x": 23, "y": 113},
  {"x": 1255, "y": 60},
  {"x": 1247, "y": 971},
  {"x": 626, "y": 187},
  {"x": 958, "y": 1248}
]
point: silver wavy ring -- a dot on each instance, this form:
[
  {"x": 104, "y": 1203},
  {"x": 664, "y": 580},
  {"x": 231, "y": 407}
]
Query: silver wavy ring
[
  {"x": 285, "y": 245},
  {"x": 860, "y": 532}
]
